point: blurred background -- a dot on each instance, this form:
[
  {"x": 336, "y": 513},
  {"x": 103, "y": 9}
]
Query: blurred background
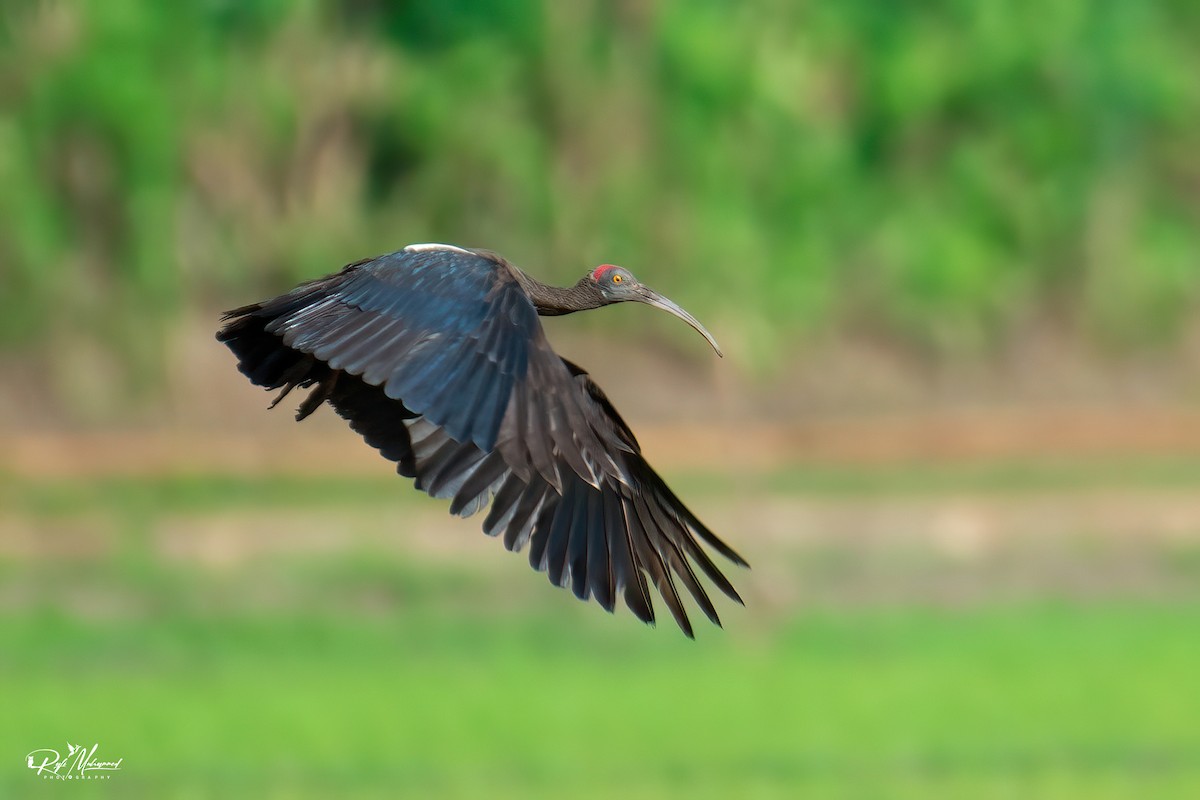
[{"x": 950, "y": 250}]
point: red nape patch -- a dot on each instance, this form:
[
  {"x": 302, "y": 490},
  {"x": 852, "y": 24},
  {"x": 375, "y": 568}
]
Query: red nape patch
[{"x": 600, "y": 270}]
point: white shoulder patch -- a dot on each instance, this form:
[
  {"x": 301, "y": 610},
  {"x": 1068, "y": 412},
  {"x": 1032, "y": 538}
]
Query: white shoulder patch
[{"x": 417, "y": 248}]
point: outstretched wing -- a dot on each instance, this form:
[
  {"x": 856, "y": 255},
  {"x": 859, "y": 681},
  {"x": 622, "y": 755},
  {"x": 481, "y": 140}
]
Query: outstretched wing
[{"x": 437, "y": 358}]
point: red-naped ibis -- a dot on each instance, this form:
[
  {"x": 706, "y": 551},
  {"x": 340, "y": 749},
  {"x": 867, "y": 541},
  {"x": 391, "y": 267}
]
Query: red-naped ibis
[{"x": 436, "y": 356}]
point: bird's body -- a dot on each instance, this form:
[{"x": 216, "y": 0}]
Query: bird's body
[{"x": 436, "y": 356}]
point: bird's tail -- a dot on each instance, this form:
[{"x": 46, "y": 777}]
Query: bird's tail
[{"x": 268, "y": 362}]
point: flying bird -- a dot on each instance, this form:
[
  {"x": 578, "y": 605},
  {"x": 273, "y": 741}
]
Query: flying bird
[{"x": 435, "y": 355}]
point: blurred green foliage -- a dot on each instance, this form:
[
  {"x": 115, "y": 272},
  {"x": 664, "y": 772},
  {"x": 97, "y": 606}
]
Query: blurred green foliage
[
  {"x": 1010, "y": 702},
  {"x": 943, "y": 174},
  {"x": 190, "y": 625}
]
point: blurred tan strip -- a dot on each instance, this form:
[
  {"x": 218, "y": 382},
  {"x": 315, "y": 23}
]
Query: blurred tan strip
[
  {"x": 183, "y": 451},
  {"x": 947, "y": 437},
  {"x": 958, "y": 436}
]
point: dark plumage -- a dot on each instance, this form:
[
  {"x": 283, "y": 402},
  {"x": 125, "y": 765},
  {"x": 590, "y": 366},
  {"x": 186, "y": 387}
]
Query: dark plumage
[{"x": 435, "y": 356}]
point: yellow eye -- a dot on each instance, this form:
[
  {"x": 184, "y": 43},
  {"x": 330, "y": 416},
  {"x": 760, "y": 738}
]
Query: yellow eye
[{"x": 617, "y": 278}]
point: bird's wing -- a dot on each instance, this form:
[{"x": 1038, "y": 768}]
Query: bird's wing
[
  {"x": 437, "y": 358},
  {"x": 446, "y": 330},
  {"x": 608, "y": 539},
  {"x": 604, "y": 541},
  {"x": 452, "y": 334}
]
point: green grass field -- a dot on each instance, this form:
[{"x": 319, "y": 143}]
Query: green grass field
[{"x": 371, "y": 672}]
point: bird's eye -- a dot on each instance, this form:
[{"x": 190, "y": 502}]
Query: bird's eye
[{"x": 618, "y": 278}]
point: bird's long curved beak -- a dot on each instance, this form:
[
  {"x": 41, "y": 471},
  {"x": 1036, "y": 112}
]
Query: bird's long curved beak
[{"x": 653, "y": 298}]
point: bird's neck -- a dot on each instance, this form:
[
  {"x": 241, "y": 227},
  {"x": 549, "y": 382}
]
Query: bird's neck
[{"x": 553, "y": 301}]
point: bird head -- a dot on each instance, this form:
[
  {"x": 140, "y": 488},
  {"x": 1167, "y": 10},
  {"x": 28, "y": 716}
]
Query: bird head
[{"x": 617, "y": 285}]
